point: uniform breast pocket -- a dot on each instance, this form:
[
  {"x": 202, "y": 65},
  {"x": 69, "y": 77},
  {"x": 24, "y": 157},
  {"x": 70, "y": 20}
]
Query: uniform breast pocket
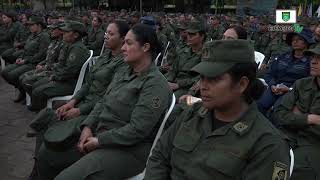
[
  {"x": 184, "y": 144},
  {"x": 31, "y": 45},
  {"x": 128, "y": 96},
  {"x": 226, "y": 163}
]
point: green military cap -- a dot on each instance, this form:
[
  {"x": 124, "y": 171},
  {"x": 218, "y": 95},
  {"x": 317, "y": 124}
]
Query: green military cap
[
  {"x": 60, "y": 136},
  {"x": 219, "y": 56},
  {"x": 195, "y": 26},
  {"x": 312, "y": 51},
  {"x": 53, "y": 15},
  {"x": 36, "y": 20},
  {"x": 11, "y": 14},
  {"x": 182, "y": 25},
  {"x": 74, "y": 26}
]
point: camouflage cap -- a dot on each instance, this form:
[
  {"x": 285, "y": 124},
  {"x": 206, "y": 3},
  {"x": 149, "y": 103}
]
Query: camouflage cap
[
  {"x": 182, "y": 25},
  {"x": 74, "y": 26},
  {"x": 219, "y": 56},
  {"x": 314, "y": 50},
  {"x": 53, "y": 15},
  {"x": 195, "y": 26}
]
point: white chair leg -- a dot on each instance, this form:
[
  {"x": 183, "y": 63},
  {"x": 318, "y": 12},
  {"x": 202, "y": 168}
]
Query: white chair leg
[{"x": 28, "y": 99}]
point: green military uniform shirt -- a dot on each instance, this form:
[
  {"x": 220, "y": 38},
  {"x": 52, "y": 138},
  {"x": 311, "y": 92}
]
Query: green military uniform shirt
[
  {"x": 304, "y": 137},
  {"x": 95, "y": 40},
  {"x": 8, "y": 35},
  {"x": 306, "y": 97},
  {"x": 249, "y": 148},
  {"x": 276, "y": 47},
  {"x": 181, "y": 67},
  {"x": 22, "y": 35},
  {"x": 70, "y": 63},
  {"x": 131, "y": 109},
  {"x": 216, "y": 33},
  {"x": 35, "y": 49},
  {"x": 261, "y": 41},
  {"x": 97, "y": 81}
]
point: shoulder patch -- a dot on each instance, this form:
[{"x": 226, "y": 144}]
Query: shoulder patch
[
  {"x": 279, "y": 171},
  {"x": 156, "y": 103}
]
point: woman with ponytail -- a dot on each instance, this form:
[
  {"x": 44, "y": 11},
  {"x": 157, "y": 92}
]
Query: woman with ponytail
[
  {"x": 115, "y": 139},
  {"x": 225, "y": 137}
]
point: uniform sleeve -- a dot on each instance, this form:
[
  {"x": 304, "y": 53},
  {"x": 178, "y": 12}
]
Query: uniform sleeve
[
  {"x": 284, "y": 115},
  {"x": 92, "y": 119},
  {"x": 98, "y": 43},
  {"x": 151, "y": 105},
  {"x": 158, "y": 166},
  {"x": 44, "y": 42},
  {"x": 84, "y": 90},
  {"x": 172, "y": 73},
  {"x": 74, "y": 62},
  {"x": 269, "y": 76},
  {"x": 9, "y": 37},
  {"x": 270, "y": 159},
  {"x": 188, "y": 82}
]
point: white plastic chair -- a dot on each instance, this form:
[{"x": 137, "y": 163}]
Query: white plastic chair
[
  {"x": 78, "y": 85},
  {"x": 3, "y": 63},
  {"x": 259, "y": 57},
  {"x": 157, "y": 59},
  {"x": 165, "y": 54},
  {"x": 173, "y": 102},
  {"x": 291, "y": 162}
]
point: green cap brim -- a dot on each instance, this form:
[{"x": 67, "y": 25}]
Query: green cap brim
[
  {"x": 192, "y": 31},
  {"x": 312, "y": 51},
  {"x": 212, "y": 69},
  {"x": 65, "y": 29}
]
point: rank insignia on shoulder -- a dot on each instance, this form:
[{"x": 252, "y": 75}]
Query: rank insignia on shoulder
[{"x": 240, "y": 127}]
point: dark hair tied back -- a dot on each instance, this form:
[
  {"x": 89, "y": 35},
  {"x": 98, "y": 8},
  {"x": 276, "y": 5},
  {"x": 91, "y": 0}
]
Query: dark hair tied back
[
  {"x": 146, "y": 34},
  {"x": 255, "y": 88}
]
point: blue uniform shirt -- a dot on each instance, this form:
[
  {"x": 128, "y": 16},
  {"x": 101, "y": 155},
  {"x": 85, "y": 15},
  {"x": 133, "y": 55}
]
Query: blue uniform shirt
[{"x": 287, "y": 69}]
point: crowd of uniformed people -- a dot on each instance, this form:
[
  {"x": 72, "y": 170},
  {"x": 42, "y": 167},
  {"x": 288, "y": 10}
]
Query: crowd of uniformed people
[{"x": 233, "y": 119}]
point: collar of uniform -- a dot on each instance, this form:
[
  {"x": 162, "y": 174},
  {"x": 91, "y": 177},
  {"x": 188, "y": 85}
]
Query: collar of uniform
[
  {"x": 245, "y": 122},
  {"x": 311, "y": 85},
  {"x": 240, "y": 126},
  {"x": 131, "y": 74},
  {"x": 291, "y": 55}
]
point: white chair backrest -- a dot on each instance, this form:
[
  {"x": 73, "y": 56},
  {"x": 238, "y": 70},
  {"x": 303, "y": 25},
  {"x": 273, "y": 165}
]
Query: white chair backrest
[
  {"x": 157, "y": 59},
  {"x": 82, "y": 73},
  {"x": 291, "y": 162},
  {"x": 165, "y": 54},
  {"x": 3, "y": 63},
  {"x": 173, "y": 102},
  {"x": 259, "y": 57}
]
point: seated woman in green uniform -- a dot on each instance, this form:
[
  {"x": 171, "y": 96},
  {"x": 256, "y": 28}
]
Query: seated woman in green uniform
[
  {"x": 179, "y": 77},
  {"x": 299, "y": 117},
  {"x": 225, "y": 137},
  {"x": 94, "y": 87},
  {"x": 114, "y": 141}
]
